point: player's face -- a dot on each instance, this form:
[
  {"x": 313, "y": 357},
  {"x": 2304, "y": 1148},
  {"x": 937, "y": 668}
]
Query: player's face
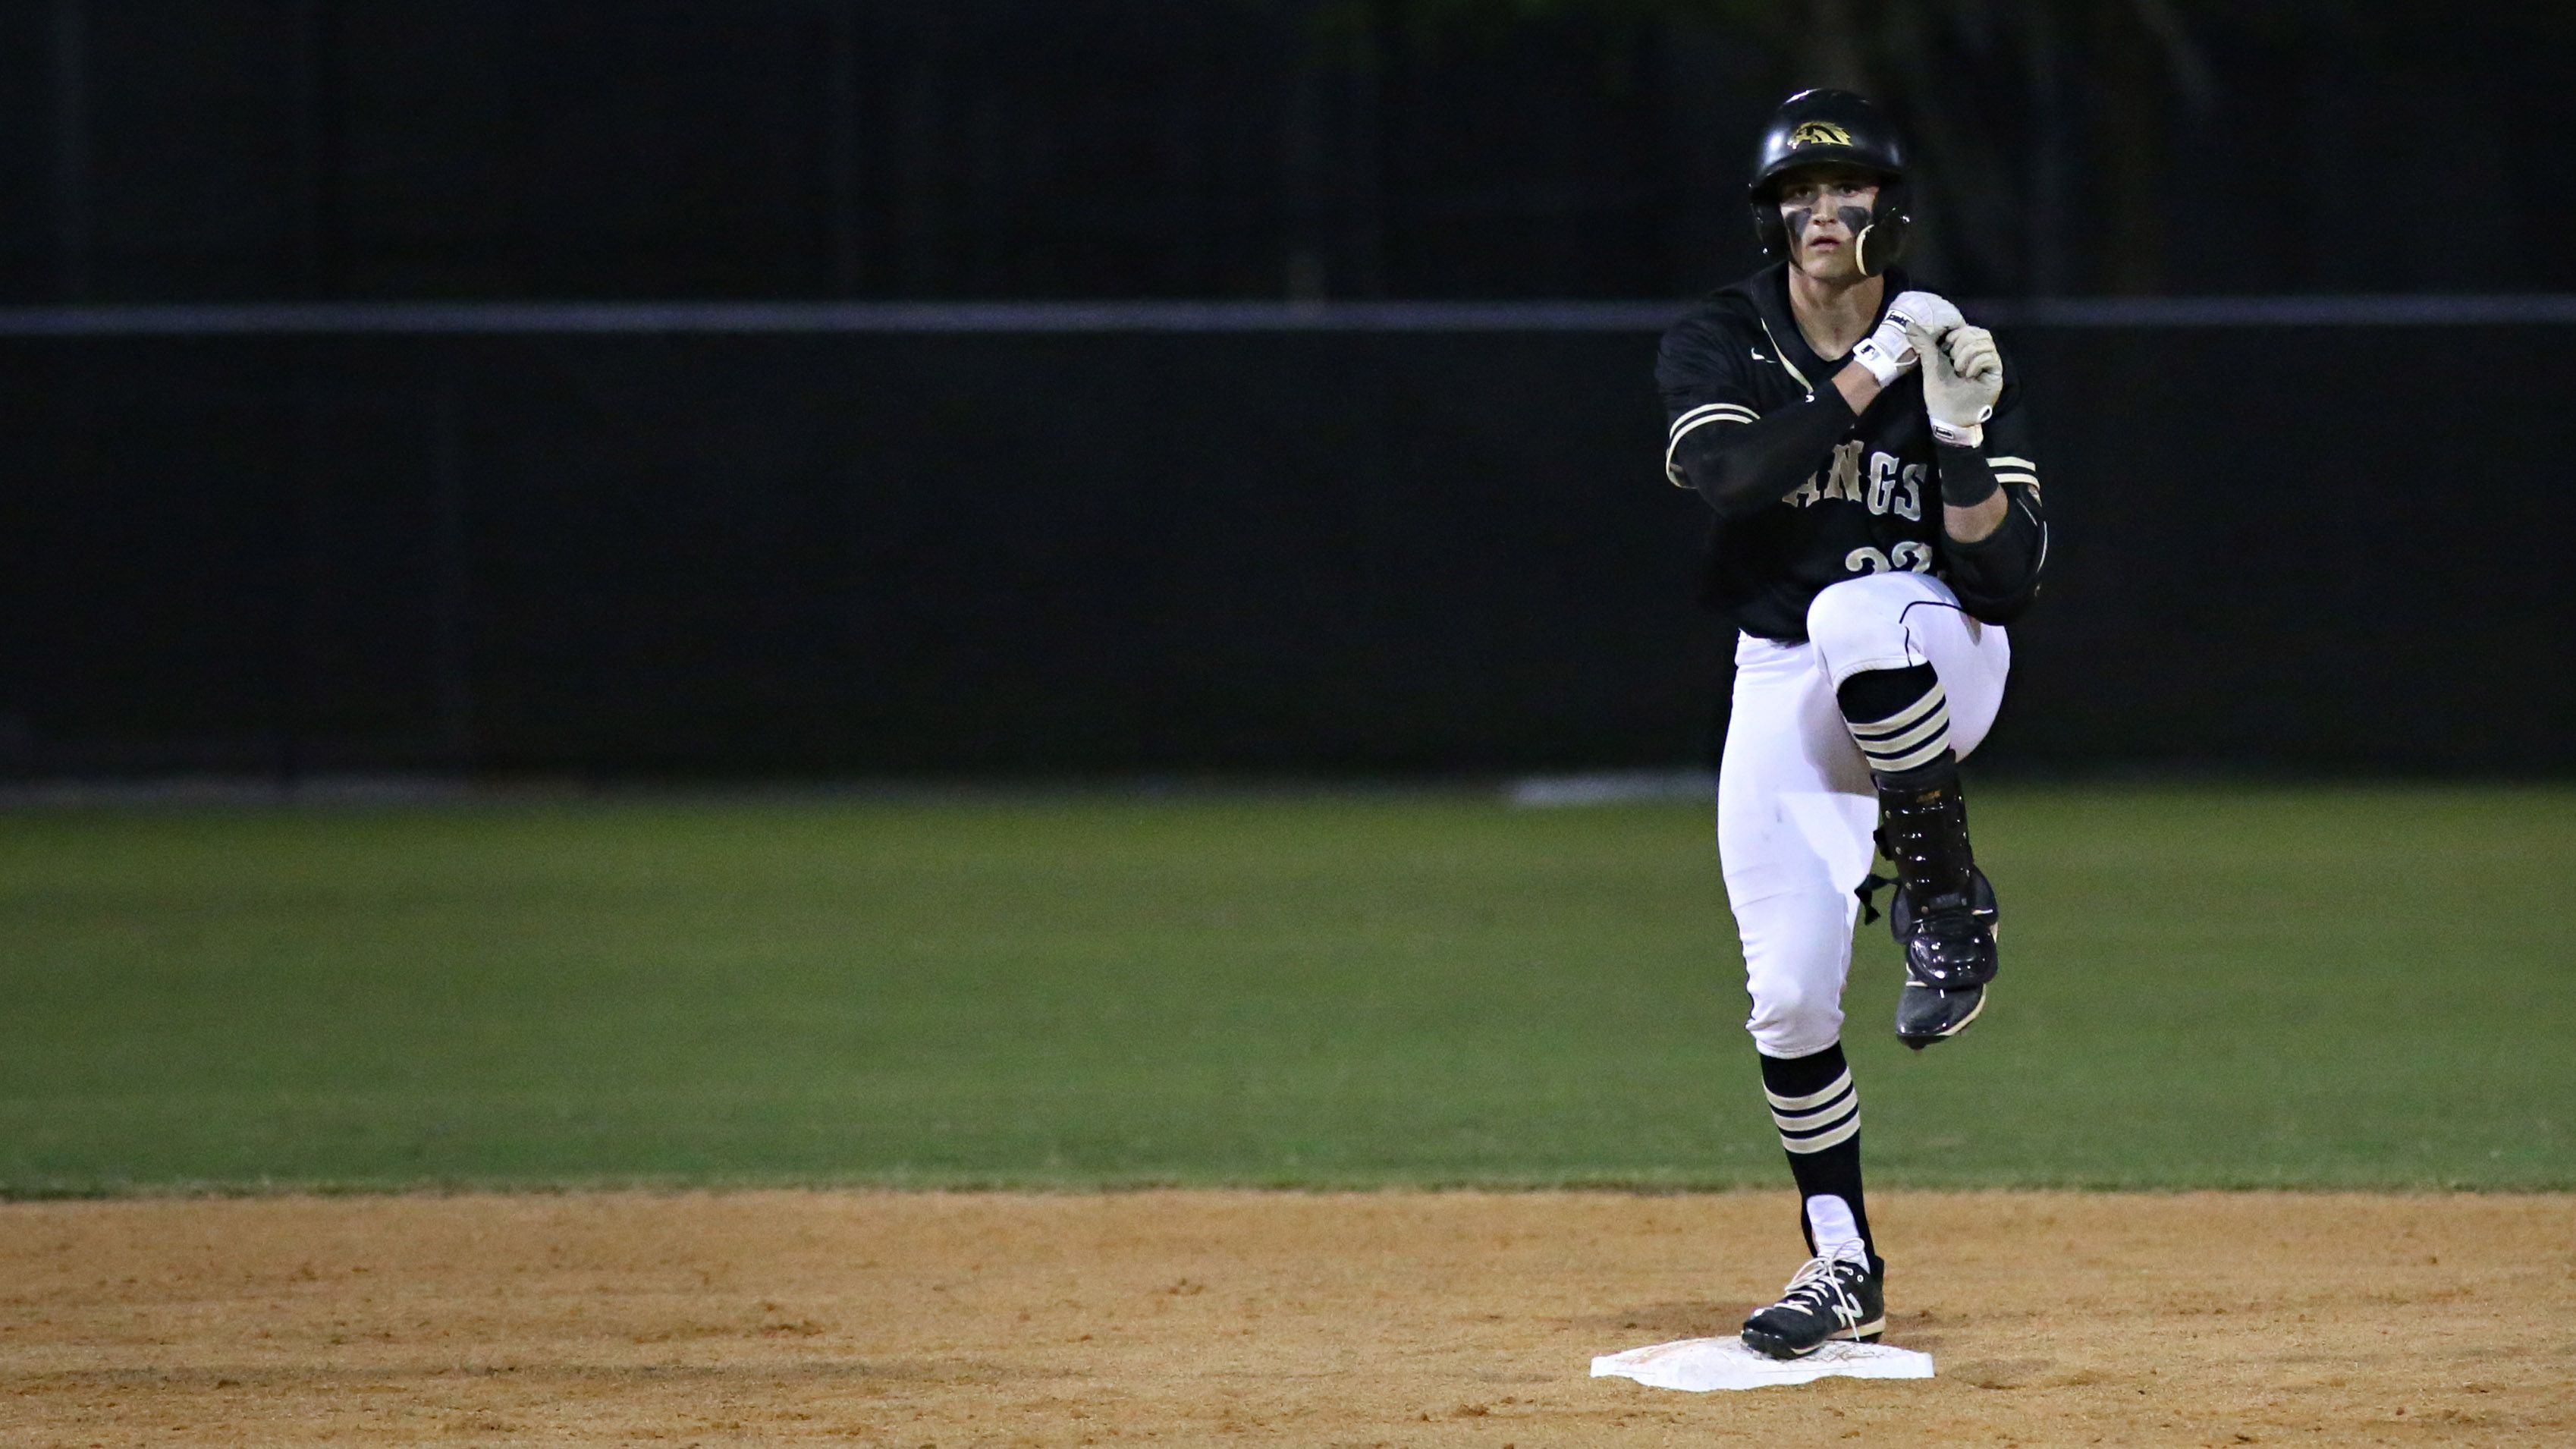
[{"x": 1824, "y": 209}]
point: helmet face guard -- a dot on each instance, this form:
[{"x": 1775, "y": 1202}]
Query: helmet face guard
[{"x": 1834, "y": 128}]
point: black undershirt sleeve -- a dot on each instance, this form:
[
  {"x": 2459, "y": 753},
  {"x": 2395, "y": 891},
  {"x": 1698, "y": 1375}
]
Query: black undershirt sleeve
[
  {"x": 1739, "y": 467},
  {"x": 1738, "y": 458},
  {"x": 1997, "y": 577}
]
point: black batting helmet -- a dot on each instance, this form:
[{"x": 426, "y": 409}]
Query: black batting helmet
[{"x": 1819, "y": 128}]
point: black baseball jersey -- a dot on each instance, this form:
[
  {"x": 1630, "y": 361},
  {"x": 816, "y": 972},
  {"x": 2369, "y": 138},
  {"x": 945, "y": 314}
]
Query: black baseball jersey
[{"x": 1808, "y": 494}]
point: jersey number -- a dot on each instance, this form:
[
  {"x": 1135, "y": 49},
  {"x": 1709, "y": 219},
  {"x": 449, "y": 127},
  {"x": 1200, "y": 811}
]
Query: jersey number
[{"x": 1915, "y": 556}]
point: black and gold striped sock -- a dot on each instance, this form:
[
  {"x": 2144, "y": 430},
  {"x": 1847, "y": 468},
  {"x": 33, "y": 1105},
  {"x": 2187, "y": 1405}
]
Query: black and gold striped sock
[
  {"x": 1817, "y": 1110},
  {"x": 1900, "y": 718}
]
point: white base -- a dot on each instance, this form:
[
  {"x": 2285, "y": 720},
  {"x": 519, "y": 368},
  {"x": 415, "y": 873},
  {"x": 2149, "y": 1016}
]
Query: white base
[{"x": 1697, "y": 1365}]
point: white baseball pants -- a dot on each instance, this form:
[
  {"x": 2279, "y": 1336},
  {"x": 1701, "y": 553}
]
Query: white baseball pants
[{"x": 1795, "y": 807}]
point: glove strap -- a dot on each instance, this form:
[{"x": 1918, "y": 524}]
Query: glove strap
[
  {"x": 1971, "y": 436},
  {"x": 1884, "y": 363}
]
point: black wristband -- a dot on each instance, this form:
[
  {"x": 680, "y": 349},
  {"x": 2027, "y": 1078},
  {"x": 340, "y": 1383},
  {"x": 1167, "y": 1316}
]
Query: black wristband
[{"x": 1966, "y": 478}]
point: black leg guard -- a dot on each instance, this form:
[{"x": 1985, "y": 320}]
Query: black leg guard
[{"x": 1944, "y": 913}]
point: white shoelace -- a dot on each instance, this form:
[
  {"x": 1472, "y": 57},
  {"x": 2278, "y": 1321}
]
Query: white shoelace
[{"x": 1816, "y": 1286}]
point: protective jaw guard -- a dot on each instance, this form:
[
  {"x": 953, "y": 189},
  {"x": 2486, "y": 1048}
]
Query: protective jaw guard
[{"x": 1878, "y": 245}]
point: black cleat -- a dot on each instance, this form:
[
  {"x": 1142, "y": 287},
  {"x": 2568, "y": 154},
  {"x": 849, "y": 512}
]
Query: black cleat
[
  {"x": 1944, "y": 912},
  {"x": 1949, "y": 958},
  {"x": 1830, "y": 1298}
]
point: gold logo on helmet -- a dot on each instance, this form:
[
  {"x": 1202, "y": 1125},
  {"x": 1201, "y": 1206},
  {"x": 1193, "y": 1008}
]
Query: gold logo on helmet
[{"x": 1819, "y": 133}]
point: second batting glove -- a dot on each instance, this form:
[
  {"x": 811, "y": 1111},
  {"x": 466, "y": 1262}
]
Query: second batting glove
[{"x": 1963, "y": 374}]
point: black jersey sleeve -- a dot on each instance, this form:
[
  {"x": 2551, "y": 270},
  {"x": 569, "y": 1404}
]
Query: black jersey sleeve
[
  {"x": 1717, "y": 441},
  {"x": 1998, "y": 576}
]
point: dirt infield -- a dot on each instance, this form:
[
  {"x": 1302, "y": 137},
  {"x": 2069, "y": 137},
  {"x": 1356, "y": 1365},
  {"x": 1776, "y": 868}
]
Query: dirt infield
[{"x": 1451, "y": 1318}]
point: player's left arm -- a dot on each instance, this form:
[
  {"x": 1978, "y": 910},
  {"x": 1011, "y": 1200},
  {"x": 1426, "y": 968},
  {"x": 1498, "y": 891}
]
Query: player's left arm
[
  {"x": 1996, "y": 573},
  {"x": 1996, "y": 542}
]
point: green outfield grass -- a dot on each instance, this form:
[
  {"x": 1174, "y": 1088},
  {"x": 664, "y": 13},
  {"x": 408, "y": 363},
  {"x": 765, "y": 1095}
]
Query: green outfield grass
[{"x": 2203, "y": 987}]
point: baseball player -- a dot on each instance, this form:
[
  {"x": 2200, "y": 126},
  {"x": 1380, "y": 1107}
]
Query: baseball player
[{"x": 1878, "y": 523}]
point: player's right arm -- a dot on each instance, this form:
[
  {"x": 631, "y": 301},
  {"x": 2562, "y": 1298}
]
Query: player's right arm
[{"x": 1718, "y": 443}]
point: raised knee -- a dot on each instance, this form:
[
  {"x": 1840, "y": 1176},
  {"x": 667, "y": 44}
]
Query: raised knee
[{"x": 1857, "y": 625}]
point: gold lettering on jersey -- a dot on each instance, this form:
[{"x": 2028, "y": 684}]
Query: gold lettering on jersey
[
  {"x": 1819, "y": 133},
  {"x": 1882, "y": 482},
  {"x": 1845, "y": 480},
  {"x": 1885, "y": 486}
]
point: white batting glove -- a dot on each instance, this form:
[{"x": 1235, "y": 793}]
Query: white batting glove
[
  {"x": 1963, "y": 374},
  {"x": 1890, "y": 352}
]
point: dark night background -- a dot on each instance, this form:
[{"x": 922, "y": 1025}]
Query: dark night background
[{"x": 1318, "y": 544}]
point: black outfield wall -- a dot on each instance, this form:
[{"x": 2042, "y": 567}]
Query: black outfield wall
[{"x": 871, "y": 554}]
